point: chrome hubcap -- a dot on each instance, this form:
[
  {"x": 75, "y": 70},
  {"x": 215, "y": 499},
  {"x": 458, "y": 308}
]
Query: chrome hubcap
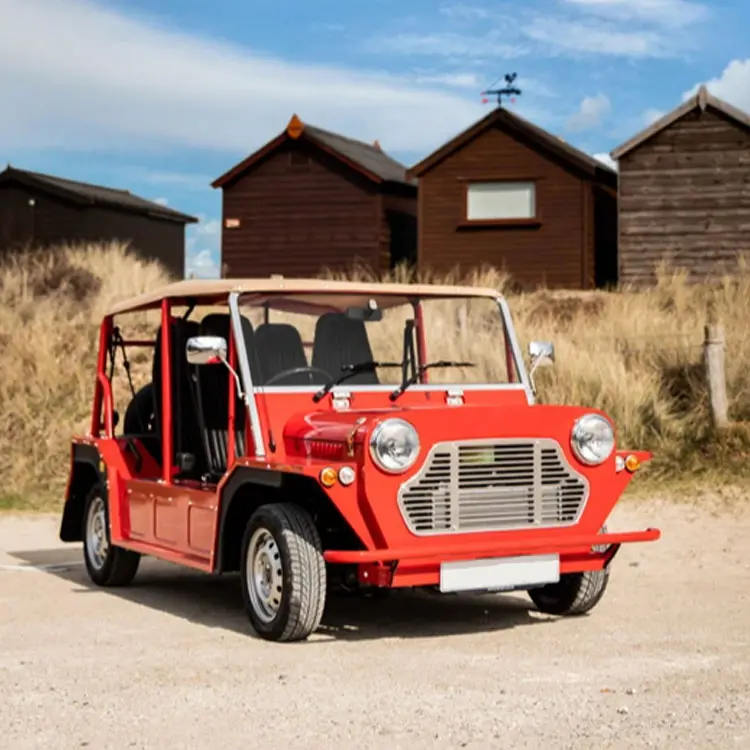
[
  {"x": 264, "y": 574},
  {"x": 97, "y": 543}
]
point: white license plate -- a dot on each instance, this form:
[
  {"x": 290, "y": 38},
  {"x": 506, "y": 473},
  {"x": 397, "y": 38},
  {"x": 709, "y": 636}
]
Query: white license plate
[{"x": 500, "y": 573}]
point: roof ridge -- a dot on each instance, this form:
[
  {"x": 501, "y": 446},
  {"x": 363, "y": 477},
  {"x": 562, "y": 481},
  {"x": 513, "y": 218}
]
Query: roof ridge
[{"x": 45, "y": 175}]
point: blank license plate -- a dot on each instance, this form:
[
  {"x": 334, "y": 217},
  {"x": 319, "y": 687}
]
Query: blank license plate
[{"x": 499, "y": 573}]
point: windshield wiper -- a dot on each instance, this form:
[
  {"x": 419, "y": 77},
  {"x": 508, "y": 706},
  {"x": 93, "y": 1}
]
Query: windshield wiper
[
  {"x": 412, "y": 379},
  {"x": 349, "y": 371}
]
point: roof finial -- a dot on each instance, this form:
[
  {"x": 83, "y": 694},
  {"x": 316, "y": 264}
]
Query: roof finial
[
  {"x": 510, "y": 90},
  {"x": 295, "y": 127},
  {"x": 376, "y": 144}
]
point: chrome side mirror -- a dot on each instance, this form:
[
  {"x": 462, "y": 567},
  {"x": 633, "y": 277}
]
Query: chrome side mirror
[
  {"x": 206, "y": 350},
  {"x": 540, "y": 352}
]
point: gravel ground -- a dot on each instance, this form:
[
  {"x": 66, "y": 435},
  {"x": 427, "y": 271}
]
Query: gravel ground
[{"x": 663, "y": 661}]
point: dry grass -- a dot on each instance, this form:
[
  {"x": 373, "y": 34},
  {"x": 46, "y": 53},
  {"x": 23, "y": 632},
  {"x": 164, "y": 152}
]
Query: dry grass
[{"x": 634, "y": 354}]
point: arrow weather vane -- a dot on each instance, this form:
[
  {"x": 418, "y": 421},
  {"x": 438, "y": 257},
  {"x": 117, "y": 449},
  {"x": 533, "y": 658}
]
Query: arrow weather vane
[{"x": 509, "y": 90}]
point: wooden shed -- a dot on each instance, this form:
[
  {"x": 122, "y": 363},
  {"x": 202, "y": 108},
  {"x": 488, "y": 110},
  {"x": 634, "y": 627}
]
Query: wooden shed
[
  {"x": 509, "y": 194},
  {"x": 311, "y": 200},
  {"x": 40, "y": 210},
  {"x": 685, "y": 192}
]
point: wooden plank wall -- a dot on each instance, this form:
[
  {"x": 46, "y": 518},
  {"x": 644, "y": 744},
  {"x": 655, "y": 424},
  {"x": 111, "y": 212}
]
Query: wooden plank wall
[{"x": 685, "y": 196}]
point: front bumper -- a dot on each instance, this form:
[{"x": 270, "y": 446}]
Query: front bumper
[{"x": 537, "y": 546}]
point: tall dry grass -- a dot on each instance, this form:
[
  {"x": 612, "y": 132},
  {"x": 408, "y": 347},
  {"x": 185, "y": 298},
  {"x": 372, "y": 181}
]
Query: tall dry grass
[{"x": 635, "y": 355}]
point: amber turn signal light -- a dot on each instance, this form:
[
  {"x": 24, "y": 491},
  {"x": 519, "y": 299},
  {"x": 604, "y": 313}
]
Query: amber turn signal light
[
  {"x": 632, "y": 463},
  {"x": 328, "y": 477}
]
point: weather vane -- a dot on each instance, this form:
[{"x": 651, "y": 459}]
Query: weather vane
[{"x": 509, "y": 90}]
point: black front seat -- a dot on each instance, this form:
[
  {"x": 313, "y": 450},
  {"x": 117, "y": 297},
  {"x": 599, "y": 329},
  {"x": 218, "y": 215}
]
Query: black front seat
[
  {"x": 213, "y": 398},
  {"x": 279, "y": 347},
  {"x": 340, "y": 340}
]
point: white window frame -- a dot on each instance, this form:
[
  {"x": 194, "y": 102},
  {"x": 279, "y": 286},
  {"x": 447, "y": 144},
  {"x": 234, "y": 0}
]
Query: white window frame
[{"x": 487, "y": 206}]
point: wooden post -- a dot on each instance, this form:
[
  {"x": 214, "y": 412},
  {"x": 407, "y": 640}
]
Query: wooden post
[{"x": 713, "y": 359}]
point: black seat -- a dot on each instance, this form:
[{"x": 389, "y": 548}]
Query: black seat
[
  {"x": 340, "y": 340},
  {"x": 186, "y": 436},
  {"x": 213, "y": 398},
  {"x": 279, "y": 347}
]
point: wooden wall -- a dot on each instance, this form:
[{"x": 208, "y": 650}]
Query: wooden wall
[
  {"x": 52, "y": 220},
  {"x": 557, "y": 253},
  {"x": 685, "y": 196},
  {"x": 300, "y": 211}
]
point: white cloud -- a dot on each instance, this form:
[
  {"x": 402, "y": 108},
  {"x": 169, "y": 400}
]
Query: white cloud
[
  {"x": 591, "y": 112},
  {"x": 162, "y": 201},
  {"x": 210, "y": 228},
  {"x": 456, "y": 80},
  {"x": 593, "y": 36},
  {"x": 651, "y": 115},
  {"x": 733, "y": 85},
  {"x": 202, "y": 265},
  {"x": 673, "y": 13},
  {"x": 464, "y": 12},
  {"x": 449, "y": 44},
  {"x": 116, "y": 81},
  {"x": 606, "y": 159}
]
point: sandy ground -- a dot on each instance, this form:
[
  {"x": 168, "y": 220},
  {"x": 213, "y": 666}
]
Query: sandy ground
[{"x": 663, "y": 662}]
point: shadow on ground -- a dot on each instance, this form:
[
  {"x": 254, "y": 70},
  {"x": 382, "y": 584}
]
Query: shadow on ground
[{"x": 215, "y": 601}]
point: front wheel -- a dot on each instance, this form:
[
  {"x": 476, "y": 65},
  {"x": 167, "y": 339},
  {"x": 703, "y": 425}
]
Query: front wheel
[
  {"x": 573, "y": 594},
  {"x": 107, "y": 565},
  {"x": 283, "y": 573}
]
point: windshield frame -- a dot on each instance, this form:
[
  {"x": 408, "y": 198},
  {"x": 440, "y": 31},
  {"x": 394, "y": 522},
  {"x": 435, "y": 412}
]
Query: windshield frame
[{"x": 252, "y": 390}]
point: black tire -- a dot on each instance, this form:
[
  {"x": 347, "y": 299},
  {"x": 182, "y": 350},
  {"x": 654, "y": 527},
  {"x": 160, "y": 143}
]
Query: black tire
[
  {"x": 116, "y": 566},
  {"x": 288, "y": 604},
  {"x": 574, "y": 594},
  {"x": 139, "y": 416}
]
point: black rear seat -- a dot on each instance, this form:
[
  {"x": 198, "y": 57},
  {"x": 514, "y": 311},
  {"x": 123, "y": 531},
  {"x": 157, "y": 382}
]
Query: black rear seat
[{"x": 279, "y": 347}]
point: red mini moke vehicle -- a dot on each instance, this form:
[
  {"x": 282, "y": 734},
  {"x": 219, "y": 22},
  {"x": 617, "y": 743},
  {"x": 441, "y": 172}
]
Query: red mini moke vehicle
[{"x": 311, "y": 434}]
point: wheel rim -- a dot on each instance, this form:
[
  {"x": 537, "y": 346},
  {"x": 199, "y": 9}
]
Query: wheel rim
[
  {"x": 264, "y": 575},
  {"x": 97, "y": 543}
]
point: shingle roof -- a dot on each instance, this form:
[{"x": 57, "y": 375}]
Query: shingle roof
[
  {"x": 86, "y": 193},
  {"x": 544, "y": 139},
  {"x": 368, "y": 156},
  {"x": 369, "y": 159},
  {"x": 700, "y": 100}
]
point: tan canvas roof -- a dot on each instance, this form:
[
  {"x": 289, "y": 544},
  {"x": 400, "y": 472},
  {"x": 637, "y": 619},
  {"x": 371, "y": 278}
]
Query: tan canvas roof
[{"x": 206, "y": 292}]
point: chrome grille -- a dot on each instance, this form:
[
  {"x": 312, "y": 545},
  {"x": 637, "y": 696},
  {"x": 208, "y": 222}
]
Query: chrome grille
[{"x": 493, "y": 485}]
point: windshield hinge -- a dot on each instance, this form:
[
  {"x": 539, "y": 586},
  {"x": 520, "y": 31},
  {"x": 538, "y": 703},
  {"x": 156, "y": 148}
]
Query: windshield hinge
[
  {"x": 454, "y": 397},
  {"x": 341, "y": 399}
]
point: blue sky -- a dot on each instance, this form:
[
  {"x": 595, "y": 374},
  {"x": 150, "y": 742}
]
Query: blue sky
[{"x": 162, "y": 96}]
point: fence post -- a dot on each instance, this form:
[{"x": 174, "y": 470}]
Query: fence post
[{"x": 713, "y": 357}]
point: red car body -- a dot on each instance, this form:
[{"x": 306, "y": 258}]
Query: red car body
[{"x": 496, "y": 488}]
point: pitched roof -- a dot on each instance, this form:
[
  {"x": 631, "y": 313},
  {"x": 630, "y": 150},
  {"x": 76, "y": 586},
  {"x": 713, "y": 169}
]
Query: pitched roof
[
  {"x": 541, "y": 138},
  {"x": 84, "y": 193},
  {"x": 701, "y": 100},
  {"x": 368, "y": 159}
]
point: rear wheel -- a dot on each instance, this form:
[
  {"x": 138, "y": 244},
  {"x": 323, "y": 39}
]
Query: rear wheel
[
  {"x": 283, "y": 573},
  {"x": 106, "y": 564},
  {"x": 573, "y": 594}
]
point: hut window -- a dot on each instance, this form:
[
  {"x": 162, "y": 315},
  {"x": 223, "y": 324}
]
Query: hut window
[{"x": 500, "y": 200}]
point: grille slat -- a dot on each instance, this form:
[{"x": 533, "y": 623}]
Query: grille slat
[{"x": 493, "y": 486}]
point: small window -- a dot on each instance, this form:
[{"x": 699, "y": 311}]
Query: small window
[{"x": 500, "y": 200}]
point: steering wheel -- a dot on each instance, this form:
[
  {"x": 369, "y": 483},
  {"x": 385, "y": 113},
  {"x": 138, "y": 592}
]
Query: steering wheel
[{"x": 295, "y": 371}]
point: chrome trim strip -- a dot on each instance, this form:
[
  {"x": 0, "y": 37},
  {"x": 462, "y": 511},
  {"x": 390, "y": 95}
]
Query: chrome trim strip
[
  {"x": 244, "y": 363},
  {"x": 516, "y": 348},
  {"x": 453, "y": 499}
]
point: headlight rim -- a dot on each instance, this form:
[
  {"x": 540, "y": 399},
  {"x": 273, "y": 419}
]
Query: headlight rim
[
  {"x": 574, "y": 445},
  {"x": 378, "y": 430}
]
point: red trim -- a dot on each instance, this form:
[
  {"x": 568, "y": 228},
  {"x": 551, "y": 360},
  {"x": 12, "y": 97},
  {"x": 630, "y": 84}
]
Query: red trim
[
  {"x": 101, "y": 365},
  {"x": 166, "y": 391},
  {"x": 502, "y": 549},
  {"x": 231, "y": 418},
  {"x": 421, "y": 340},
  {"x": 106, "y": 390}
]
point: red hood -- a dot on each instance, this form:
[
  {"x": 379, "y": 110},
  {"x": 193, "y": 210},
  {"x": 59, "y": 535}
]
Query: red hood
[{"x": 334, "y": 435}]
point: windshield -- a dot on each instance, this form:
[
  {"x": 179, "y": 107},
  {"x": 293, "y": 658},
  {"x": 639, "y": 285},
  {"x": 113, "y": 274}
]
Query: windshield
[{"x": 315, "y": 341}]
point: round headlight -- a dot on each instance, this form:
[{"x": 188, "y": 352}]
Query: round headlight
[
  {"x": 394, "y": 445},
  {"x": 593, "y": 439}
]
